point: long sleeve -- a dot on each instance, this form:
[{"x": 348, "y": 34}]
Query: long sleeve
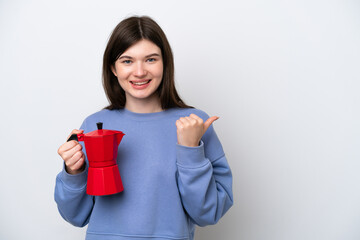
[
  {"x": 204, "y": 180},
  {"x": 74, "y": 204}
]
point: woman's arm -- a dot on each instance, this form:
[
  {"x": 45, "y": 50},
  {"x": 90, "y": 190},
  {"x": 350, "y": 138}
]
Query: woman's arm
[
  {"x": 204, "y": 179},
  {"x": 74, "y": 204}
]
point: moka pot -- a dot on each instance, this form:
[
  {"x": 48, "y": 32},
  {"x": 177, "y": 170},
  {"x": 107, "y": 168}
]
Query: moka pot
[{"x": 101, "y": 149}]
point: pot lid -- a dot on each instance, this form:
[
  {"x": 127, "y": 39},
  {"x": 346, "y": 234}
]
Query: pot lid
[{"x": 101, "y": 132}]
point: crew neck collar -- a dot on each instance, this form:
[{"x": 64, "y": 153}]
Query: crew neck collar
[{"x": 145, "y": 116}]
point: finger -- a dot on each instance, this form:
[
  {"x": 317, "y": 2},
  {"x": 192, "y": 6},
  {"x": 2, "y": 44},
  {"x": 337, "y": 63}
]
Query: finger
[
  {"x": 184, "y": 121},
  {"x": 179, "y": 124},
  {"x": 72, "y": 151},
  {"x": 79, "y": 164},
  {"x": 209, "y": 122},
  {"x": 67, "y": 146},
  {"x": 73, "y": 160},
  {"x": 194, "y": 116},
  {"x": 197, "y": 118},
  {"x": 76, "y": 167},
  {"x": 191, "y": 120}
]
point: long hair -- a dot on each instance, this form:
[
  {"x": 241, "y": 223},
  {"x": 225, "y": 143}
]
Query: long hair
[{"x": 126, "y": 33}]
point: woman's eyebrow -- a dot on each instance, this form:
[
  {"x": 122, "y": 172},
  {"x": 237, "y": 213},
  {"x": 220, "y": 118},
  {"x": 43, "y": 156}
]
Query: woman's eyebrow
[
  {"x": 147, "y": 56},
  {"x": 124, "y": 56},
  {"x": 152, "y": 55}
]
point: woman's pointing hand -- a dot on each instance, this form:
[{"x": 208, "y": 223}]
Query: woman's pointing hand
[{"x": 191, "y": 129}]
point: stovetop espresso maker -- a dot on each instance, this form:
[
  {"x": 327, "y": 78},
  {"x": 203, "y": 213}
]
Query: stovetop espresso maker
[{"x": 101, "y": 148}]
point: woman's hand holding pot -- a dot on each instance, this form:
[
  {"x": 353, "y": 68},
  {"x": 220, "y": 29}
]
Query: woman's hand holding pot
[{"x": 72, "y": 154}]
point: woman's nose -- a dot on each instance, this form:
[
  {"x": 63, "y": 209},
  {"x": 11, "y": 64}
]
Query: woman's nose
[{"x": 139, "y": 70}]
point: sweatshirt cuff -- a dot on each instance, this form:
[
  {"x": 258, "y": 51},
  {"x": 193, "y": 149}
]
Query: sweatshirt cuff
[
  {"x": 77, "y": 181},
  {"x": 191, "y": 157}
]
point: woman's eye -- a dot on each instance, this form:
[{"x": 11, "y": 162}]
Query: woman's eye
[
  {"x": 126, "y": 61},
  {"x": 151, "y": 60}
]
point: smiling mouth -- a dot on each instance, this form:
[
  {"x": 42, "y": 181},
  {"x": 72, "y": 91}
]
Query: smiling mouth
[{"x": 140, "y": 83}]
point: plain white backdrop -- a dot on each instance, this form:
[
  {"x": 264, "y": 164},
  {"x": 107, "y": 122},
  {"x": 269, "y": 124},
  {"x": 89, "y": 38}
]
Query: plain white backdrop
[{"x": 284, "y": 76}]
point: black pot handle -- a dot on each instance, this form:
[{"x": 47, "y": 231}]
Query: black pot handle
[{"x": 73, "y": 137}]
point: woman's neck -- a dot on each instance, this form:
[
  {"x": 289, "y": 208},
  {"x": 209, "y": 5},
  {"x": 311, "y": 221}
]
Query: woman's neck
[{"x": 149, "y": 105}]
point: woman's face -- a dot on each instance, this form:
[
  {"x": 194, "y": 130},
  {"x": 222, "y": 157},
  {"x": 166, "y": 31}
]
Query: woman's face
[{"x": 139, "y": 70}]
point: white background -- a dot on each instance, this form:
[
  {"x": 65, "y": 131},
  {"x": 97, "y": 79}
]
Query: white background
[{"x": 284, "y": 76}]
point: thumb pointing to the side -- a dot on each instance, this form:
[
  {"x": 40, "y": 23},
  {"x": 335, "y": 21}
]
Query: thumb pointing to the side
[{"x": 209, "y": 122}]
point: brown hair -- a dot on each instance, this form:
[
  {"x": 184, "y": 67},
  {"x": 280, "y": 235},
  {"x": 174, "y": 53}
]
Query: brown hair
[{"x": 126, "y": 33}]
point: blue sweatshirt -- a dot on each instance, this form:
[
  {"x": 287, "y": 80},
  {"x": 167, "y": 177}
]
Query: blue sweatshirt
[{"x": 168, "y": 188}]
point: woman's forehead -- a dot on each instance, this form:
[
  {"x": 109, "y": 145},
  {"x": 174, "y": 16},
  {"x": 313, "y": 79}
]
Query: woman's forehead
[{"x": 142, "y": 48}]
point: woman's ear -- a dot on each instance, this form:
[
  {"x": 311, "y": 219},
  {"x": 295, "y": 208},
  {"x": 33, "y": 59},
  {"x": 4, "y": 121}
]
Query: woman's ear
[{"x": 113, "y": 70}]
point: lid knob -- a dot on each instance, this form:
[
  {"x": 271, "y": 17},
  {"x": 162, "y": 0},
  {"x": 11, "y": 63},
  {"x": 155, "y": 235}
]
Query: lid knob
[{"x": 99, "y": 125}]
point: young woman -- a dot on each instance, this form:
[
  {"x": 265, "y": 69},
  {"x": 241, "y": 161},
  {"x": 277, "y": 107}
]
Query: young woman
[{"x": 171, "y": 162}]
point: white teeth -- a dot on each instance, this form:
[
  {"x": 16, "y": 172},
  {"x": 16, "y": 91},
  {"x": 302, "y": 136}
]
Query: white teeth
[{"x": 140, "y": 83}]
